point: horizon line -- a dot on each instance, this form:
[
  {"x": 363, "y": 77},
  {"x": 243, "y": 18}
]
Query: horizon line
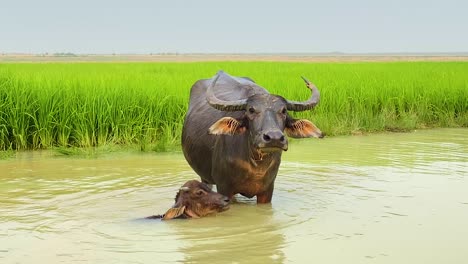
[{"x": 333, "y": 53}]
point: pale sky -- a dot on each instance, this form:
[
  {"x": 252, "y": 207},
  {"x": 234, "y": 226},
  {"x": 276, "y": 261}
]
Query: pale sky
[{"x": 241, "y": 26}]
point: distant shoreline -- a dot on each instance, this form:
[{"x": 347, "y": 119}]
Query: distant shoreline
[{"x": 326, "y": 57}]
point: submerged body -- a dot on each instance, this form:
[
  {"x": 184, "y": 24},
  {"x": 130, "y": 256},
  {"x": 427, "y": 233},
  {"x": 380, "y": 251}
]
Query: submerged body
[{"x": 233, "y": 134}]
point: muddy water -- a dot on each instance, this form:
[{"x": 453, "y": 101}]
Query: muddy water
[{"x": 389, "y": 198}]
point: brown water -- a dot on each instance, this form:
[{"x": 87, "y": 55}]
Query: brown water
[{"x": 388, "y": 198}]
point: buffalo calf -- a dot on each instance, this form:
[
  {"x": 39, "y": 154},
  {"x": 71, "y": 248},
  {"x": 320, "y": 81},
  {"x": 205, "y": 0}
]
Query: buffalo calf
[{"x": 194, "y": 200}]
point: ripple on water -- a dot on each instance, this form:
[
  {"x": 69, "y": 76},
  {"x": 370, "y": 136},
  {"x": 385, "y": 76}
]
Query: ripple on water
[{"x": 371, "y": 197}]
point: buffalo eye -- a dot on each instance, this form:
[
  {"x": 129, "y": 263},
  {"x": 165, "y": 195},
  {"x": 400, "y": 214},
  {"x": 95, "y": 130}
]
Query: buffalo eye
[
  {"x": 251, "y": 110},
  {"x": 200, "y": 192}
]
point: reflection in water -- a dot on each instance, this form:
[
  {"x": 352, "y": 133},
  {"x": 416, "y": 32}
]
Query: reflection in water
[
  {"x": 245, "y": 234},
  {"x": 384, "y": 198}
]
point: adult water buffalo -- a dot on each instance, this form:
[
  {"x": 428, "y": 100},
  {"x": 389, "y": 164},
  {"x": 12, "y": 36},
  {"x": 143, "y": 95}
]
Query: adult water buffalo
[{"x": 233, "y": 133}]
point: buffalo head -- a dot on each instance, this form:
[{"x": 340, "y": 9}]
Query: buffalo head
[
  {"x": 265, "y": 117},
  {"x": 194, "y": 200}
]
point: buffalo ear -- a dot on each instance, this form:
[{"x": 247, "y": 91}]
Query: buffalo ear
[
  {"x": 302, "y": 128},
  {"x": 191, "y": 213},
  {"x": 227, "y": 126},
  {"x": 174, "y": 212}
]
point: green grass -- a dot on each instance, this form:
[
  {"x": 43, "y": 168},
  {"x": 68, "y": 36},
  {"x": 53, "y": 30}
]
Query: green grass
[{"x": 61, "y": 105}]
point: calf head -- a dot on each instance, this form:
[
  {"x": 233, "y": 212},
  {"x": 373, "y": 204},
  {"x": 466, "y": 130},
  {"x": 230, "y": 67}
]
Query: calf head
[
  {"x": 266, "y": 118},
  {"x": 195, "y": 199}
]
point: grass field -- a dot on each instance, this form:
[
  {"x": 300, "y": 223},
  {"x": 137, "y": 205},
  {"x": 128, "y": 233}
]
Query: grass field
[{"x": 45, "y": 105}]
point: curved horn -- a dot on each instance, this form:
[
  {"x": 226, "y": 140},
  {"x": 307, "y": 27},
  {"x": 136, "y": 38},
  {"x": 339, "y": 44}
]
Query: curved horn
[
  {"x": 307, "y": 105},
  {"x": 236, "y": 105}
]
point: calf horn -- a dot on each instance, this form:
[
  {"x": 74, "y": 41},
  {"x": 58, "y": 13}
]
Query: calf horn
[
  {"x": 307, "y": 105},
  {"x": 236, "y": 105}
]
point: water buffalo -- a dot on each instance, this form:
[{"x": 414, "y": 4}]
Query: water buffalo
[
  {"x": 194, "y": 200},
  {"x": 233, "y": 133}
]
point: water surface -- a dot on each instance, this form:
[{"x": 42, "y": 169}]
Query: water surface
[{"x": 386, "y": 198}]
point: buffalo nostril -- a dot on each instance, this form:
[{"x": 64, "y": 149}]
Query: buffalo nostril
[
  {"x": 282, "y": 138},
  {"x": 266, "y": 137},
  {"x": 227, "y": 200}
]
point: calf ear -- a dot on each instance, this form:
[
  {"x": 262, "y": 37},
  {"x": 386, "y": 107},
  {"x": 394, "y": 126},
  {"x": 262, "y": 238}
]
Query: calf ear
[
  {"x": 302, "y": 128},
  {"x": 227, "y": 126},
  {"x": 174, "y": 213},
  {"x": 191, "y": 213}
]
